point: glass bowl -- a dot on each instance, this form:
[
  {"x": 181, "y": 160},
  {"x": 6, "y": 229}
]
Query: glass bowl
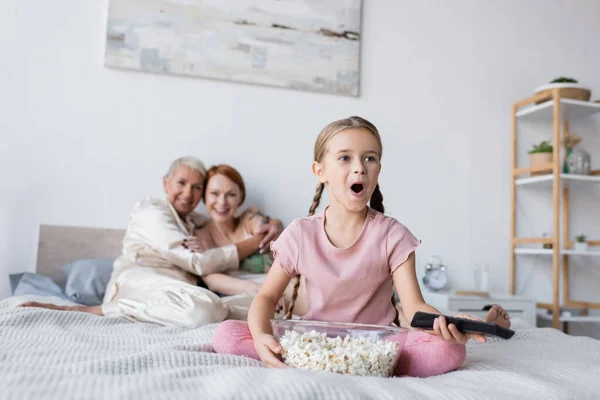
[{"x": 339, "y": 347}]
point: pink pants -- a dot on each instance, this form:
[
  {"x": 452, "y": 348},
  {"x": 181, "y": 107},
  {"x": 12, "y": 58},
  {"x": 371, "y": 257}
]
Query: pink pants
[{"x": 423, "y": 354}]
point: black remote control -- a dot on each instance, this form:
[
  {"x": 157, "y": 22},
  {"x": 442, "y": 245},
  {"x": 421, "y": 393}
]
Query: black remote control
[{"x": 424, "y": 320}]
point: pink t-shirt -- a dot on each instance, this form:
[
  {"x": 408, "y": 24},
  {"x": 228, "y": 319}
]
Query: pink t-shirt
[{"x": 351, "y": 284}]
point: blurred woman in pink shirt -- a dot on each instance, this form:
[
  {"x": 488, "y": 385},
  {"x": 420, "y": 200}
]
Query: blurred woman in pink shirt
[{"x": 224, "y": 194}]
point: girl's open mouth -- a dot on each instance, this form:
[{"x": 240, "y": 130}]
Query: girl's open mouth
[{"x": 357, "y": 189}]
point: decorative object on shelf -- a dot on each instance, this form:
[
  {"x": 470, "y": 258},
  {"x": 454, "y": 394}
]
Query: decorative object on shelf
[
  {"x": 436, "y": 274},
  {"x": 546, "y": 245},
  {"x": 580, "y": 243},
  {"x": 568, "y": 89},
  {"x": 541, "y": 154},
  {"x": 566, "y": 312},
  {"x": 569, "y": 141},
  {"x": 577, "y": 161},
  {"x": 303, "y": 45}
]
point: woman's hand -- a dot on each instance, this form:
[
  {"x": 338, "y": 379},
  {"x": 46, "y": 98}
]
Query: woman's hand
[
  {"x": 271, "y": 230},
  {"x": 193, "y": 243},
  {"x": 268, "y": 350},
  {"x": 450, "y": 333}
]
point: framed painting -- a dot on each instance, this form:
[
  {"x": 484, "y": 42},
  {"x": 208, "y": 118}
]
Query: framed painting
[{"x": 311, "y": 45}]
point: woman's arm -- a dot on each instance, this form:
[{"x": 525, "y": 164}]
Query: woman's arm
[
  {"x": 271, "y": 231},
  {"x": 229, "y": 286},
  {"x": 153, "y": 223},
  {"x": 249, "y": 246},
  {"x": 243, "y": 249},
  {"x": 411, "y": 299},
  {"x": 252, "y": 219},
  {"x": 256, "y": 223},
  {"x": 260, "y": 314}
]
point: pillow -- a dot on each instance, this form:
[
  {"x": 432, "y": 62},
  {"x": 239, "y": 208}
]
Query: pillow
[
  {"x": 36, "y": 284},
  {"x": 87, "y": 280},
  {"x": 14, "y": 281}
]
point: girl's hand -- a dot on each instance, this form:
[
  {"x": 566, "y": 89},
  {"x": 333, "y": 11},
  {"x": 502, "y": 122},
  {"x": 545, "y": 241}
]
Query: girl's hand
[
  {"x": 271, "y": 231},
  {"x": 268, "y": 350},
  {"x": 450, "y": 333}
]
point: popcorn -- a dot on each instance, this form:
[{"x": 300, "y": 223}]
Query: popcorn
[{"x": 315, "y": 351}]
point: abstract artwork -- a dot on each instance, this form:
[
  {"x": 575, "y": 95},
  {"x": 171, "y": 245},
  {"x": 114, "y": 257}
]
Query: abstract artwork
[{"x": 311, "y": 45}]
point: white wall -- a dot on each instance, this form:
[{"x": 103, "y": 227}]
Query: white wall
[{"x": 81, "y": 142}]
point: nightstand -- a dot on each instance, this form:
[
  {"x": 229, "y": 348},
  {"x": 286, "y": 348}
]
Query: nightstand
[{"x": 449, "y": 303}]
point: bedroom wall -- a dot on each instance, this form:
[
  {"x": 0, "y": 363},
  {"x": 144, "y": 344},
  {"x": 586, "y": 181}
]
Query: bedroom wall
[{"x": 81, "y": 142}]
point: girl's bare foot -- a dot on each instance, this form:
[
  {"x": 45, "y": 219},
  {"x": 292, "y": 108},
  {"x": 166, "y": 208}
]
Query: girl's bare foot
[
  {"x": 96, "y": 310},
  {"x": 498, "y": 316}
]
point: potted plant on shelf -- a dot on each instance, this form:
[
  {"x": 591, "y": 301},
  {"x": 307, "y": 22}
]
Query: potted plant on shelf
[
  {"x": 580, "y": 243},
  {"x": 568, "y": 88},
  {"x": 541, "y": 154}
]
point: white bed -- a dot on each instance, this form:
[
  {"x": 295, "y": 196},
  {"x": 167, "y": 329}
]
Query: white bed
[{"x": 54, "y": 354}]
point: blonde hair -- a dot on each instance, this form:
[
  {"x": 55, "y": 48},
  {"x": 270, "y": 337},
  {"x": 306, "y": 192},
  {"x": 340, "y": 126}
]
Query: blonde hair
[
  {"x": 327, "y": 133},
  {"x": 188, "y": 161}
]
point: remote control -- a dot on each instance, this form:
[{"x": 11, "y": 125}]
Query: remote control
[{"x": 424, "y": 320}]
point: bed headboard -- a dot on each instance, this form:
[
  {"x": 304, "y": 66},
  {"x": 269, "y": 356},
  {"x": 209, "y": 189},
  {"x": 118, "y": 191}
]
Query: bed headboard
[{"x": 59, "y": 245}]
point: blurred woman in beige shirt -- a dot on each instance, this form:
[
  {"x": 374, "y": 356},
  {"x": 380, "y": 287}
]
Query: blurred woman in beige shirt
[{"x": 224, "y": 193}]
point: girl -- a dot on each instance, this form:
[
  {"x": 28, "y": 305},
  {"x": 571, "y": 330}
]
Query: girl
[{"x": 350, "y": 255}]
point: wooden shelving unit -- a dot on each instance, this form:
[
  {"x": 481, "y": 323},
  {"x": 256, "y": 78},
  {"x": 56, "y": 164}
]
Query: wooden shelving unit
[{"x": 559, "y": 111}]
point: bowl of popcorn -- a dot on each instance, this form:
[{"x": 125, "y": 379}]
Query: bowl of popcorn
[{"x": 339, "y": 347}]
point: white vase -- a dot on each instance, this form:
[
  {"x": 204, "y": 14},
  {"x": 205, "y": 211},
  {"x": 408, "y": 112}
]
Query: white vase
[
  {"x": 578, "y": 162},
  {"x": 581, "y": 246}
]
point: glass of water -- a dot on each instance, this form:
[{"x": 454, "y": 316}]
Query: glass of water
[{"x": 481, "y": 276}]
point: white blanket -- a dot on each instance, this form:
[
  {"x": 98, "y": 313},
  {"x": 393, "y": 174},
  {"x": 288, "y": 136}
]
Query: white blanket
[{"x": 47, "y": 354}]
